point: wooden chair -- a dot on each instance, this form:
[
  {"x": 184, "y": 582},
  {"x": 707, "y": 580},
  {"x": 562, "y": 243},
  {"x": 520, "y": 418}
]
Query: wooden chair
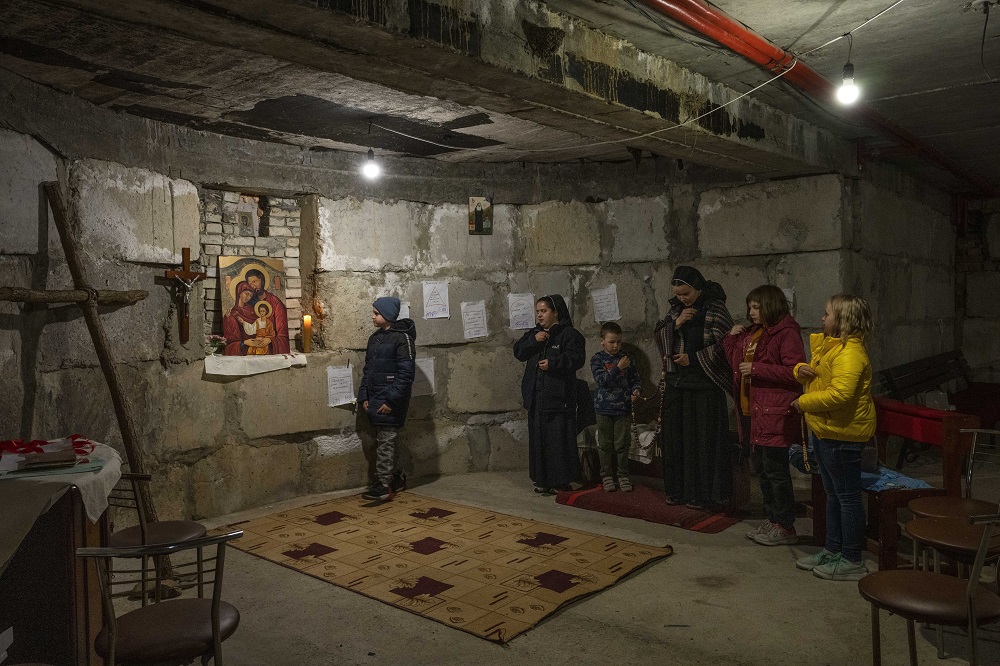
[
  {"x": 174, "y": 631},
  {"x": 126, "y": 495},
  {"x": 934, "y": 598},
  {"x": 966, "y": 505}
]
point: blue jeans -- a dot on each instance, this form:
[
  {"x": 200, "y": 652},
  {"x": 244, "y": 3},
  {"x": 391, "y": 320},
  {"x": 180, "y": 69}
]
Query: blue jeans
[{"x": 840, "y": 468}]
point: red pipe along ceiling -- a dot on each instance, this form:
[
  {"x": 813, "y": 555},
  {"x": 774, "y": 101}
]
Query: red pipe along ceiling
[{"x": 718, "y": 26}]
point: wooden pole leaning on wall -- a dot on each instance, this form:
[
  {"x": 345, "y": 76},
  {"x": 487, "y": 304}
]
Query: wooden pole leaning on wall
[{"x": 123, "y": 410}]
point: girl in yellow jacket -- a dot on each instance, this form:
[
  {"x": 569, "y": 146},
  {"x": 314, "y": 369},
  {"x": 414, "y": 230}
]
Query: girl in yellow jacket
[{"x": 840, "y": 414}]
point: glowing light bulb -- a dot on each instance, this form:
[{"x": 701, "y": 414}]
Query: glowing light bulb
[
  {"x": 371, "y": 170},
  {"x": 848, "y": 92}
]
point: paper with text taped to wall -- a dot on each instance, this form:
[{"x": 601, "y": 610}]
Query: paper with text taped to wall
[
  {"x": 404, "y": 310},
  {"x": 521, "y": 311},
  {"x": 474, "y": 320},
  {"x": 340, "y": 385},
  {"x": 606, "y": 303},
  {"x": 423, "y": 379},
  {"x": 436, "y": 300}
]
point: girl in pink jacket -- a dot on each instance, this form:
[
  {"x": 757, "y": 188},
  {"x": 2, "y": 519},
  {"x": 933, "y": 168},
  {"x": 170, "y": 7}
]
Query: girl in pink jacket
[{"x": 763, "y": 358}]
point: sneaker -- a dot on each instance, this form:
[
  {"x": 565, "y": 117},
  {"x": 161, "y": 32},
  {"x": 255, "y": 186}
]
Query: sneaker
[
  {"x": 777, "y": 536},
  {"x": 625, "y": 484},
  {"x": 841, "y": 569},
  {"x": 810, "y": 562},
  {"x": 609, "y": 484},
  {"x": 542, "y": 490},
  {"x": 398, "y": 482},
  {"x": 675, "y": 500},
  {"x": 764, "y": 527},
  {"x": 378, "y": 491}
]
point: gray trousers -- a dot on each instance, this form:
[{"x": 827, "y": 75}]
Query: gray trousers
[{"x": 386, "y": 461}]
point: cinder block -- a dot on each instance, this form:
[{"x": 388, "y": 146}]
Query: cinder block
[
  {"x": 298, "y": 403},
  {"x": 638, "y": 229},
  {"x": 366, "y": 235},
  {"x": 631, "y": 297},
  {"x": 482, "y": 379},
  {"x": 133, "y": 214},
  {"x": 26, "y": 165},
  {"x": 561, "y": 234},
  {"x": 804, "y": 214},
  {"x": 452, "y": 247}
]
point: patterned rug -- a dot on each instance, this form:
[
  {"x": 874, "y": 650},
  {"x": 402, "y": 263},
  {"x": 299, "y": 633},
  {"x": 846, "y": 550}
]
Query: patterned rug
[
  {"x": 492, "y": 575},
  {"x": 647, "y": 504}
]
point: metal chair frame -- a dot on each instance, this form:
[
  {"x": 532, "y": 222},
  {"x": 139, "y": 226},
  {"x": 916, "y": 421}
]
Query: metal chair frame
[
  {"x": 205, "y": 570},
  {"x": 990, "y": 540}
]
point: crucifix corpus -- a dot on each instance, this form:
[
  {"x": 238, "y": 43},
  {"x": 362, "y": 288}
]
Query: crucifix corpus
[{"x": 187, "y": 278}]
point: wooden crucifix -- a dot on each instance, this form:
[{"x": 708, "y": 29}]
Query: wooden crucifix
[
  {"x": 187, "y": 278},
  {"x": 89, "y": 299}
]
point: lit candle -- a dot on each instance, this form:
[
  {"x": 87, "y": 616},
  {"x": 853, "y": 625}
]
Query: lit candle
[{"x": 307, "y": 333}]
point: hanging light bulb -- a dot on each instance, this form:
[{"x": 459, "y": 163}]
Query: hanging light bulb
[
  {"x": 371, "y": 169},
  {"x": 848, "y": 92}
]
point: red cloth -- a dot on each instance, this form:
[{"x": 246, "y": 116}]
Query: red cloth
[
  {"x": 921, "y": 424},
  {"x": 773, "y": 387},
  {"x": 647, "y": 504}
]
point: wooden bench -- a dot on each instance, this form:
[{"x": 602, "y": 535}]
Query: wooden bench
[
  {"x": 921, "y": 424},
  {"x": 906, "y": 381}
]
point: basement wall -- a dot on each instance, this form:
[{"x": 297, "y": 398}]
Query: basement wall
[{"x": 217, "y": 445}]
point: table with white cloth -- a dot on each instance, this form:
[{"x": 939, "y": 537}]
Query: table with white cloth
[{"x": 49, "y": 596}]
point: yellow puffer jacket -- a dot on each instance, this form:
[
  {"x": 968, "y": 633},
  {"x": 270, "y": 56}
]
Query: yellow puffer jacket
[{"x": 837, "y": 402}]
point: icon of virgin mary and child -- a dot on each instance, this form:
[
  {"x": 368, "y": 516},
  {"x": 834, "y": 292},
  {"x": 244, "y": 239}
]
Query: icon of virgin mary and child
[{"x": 257, "y": 324}]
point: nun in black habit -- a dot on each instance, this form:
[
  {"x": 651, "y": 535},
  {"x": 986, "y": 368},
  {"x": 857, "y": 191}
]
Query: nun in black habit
[{"x": 552, "y": 351}]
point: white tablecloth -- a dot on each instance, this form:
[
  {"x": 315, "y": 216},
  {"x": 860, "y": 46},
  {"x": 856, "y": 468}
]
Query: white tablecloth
[
  {"x": 24, "y": 498},
  {"x": 217, "y": 364}
]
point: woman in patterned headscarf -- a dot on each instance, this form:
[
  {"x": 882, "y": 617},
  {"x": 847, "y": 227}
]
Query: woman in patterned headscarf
[{"x": 697, "y": 447}]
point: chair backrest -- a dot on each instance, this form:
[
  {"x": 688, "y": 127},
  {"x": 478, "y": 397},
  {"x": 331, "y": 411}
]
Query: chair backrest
[
  {"x": 980, "y": 454},
  {"x": 989, "y": 543},
  {"x": 910, "y": 379},
  {"x": 127, "y": 495},
  {"x": 200, "y": 561}
]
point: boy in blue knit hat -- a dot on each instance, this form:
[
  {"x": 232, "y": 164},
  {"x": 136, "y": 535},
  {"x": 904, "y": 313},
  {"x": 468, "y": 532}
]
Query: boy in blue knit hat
[{"x": 385, "y": 391}]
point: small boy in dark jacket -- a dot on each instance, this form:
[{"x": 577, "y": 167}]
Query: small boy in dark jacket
[
  {"x": 617, "y": 386},
  {"x": 385, "y": 391}
]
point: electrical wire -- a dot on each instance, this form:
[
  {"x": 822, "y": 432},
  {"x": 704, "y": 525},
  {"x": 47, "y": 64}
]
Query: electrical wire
[
  {"x": 795, "y": 60},
  {"x": 855, "y": 29},
  {"x": 982, "y": 43}
]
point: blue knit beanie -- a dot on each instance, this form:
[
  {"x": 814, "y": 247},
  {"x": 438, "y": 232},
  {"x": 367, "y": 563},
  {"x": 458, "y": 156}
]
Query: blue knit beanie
[{"x": 388, "y": 307}]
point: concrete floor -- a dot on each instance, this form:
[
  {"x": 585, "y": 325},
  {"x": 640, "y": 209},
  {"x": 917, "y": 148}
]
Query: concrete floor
[{"x": 720, "y": 599}]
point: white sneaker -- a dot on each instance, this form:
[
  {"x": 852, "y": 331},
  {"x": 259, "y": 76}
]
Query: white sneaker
[{"x": 764, "y": 527}]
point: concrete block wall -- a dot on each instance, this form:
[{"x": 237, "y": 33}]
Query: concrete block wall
[
  {"x": 900, "y": 255},
  {"x": 275, "y": 234},
  {"x": 978, "y": 284},
  {"x": 218, "y": 445}
]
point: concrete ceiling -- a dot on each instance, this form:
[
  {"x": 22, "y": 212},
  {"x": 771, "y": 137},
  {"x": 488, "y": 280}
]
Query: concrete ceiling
[{"x": 481, "y": 81}]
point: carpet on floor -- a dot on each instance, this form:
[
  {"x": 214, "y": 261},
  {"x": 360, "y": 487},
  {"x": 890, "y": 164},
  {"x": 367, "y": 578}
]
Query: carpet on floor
[
  {"x": 490, "y": 574},
  {"x": 649, "y": 505}
]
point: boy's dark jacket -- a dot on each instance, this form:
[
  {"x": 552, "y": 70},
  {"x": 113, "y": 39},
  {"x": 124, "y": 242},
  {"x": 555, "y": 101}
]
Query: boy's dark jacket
[
  {"x": 566, "y": 352},
  {"x": 614, "y": 385},
  {"x": 388, "y": 374}
]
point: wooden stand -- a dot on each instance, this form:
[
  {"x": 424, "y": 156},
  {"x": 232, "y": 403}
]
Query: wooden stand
[{"x": 49, "y": 596}]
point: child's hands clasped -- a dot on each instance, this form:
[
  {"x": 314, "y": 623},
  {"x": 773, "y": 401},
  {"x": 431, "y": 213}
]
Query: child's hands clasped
[
  {"x": 624, "y": 362},
  {"x": 806, "y": 372}
]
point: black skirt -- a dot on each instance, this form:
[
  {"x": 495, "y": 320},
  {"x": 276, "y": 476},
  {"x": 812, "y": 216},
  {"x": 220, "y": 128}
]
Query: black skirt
[
  {"x": 553, "y": 460},
  {"x": 698, "y": 453}
]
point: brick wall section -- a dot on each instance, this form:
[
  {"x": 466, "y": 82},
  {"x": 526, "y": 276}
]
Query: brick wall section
[{"x": 221, "y": 234}]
